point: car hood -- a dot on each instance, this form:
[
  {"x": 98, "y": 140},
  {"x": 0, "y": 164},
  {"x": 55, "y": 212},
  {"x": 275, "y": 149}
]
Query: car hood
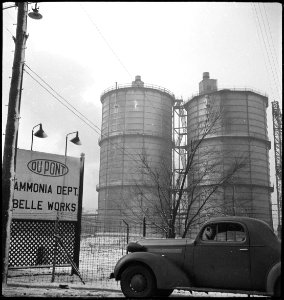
[{"x": 149, "y": 245}]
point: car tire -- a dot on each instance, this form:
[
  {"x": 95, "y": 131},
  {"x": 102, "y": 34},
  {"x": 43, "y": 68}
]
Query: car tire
[
  {"x": 137, "y": 282},
  {"x": 164, "y": 293}
]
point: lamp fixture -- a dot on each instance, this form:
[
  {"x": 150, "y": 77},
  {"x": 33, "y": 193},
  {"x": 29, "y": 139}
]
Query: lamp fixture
[
  {"x": 40, "y": 133},
  {"x": 35, "y": 14},
  {"x": 75, "y": 140}
]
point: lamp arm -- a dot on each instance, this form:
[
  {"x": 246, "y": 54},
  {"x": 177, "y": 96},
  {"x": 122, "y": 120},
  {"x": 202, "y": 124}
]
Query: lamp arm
[
  {"x": 71, "y": 133},
  {"x": 66, "y": 145},
  {"x": 32, "y": 139},
  {"x": 36, "y": 126},
  {"x": 67, "y": 139}
]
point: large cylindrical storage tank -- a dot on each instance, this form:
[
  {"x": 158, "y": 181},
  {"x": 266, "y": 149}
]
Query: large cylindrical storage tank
[
  {"x": 136, "y": 123},
  {"x": 240, "y": 133}
]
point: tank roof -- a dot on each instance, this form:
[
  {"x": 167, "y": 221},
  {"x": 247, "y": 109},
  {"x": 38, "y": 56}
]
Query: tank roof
[
  {"x": 137, "y": 84},
  {"x": 232, "y": 90}
]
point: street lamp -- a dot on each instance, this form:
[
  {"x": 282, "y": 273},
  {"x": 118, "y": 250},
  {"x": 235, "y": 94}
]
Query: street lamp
[
  {"x": 40, "y": 133},
  {"x": 35, "y": 14},
  {"x": 75, "y": 140}
]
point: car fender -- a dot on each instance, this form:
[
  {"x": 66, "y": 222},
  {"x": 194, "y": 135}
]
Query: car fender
[
  {"x": 273, "y": 275},
  {"x": 168, "y": 275}
]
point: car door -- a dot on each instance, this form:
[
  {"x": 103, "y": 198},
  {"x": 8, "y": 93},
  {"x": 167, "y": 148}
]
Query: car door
[{"x": 221, "y": 257}]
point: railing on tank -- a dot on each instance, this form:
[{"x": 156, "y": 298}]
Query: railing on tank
[
  {"x": 129, "y": 85},
  {"x": 236, "y": 89}
]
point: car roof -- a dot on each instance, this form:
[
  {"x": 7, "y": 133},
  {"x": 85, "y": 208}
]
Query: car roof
[{"x": 235, "y": 219}]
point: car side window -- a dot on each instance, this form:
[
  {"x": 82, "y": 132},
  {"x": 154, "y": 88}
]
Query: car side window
[
  {"x": 235, "y": 233},
  {"x": 224, "y": 232}
]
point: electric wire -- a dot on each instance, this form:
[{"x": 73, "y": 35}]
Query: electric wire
[
  {"x": 82, "y": 117},
  {"x": 266, "y": 50},
  {"x": 8, "y": 13},
  {"x": 9, "y": 32},
  {"x": 259, "y": 37},
  {"x": 62, "y": 98},
  {"x": 94, "y": 24},
  {"x": 8, "y": 7},
  {"x": 269, "y": 30},
  {"x": 269, "y": 45},
  {"x": 275, "y": 89},
  {"x": 60, "y": 101}
]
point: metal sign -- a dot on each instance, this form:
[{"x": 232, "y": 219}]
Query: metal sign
[{"x": 46, "y": 186}]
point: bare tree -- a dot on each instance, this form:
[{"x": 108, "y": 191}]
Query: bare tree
[{"x": 165, "y": 203}]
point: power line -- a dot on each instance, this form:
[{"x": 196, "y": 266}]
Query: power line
[
  {"x": 59, "y": 100},
  {"x": 63, "y": 98},
  {"x": 275, "y": 85},
  {"x": 269, "y": 45},
  {"x": 106, "y": 41},
  {"x": 274, "y": 51},
  {"x": 9, "y": 7},
  {"x": 10, "y": 32},
  {"x": 82, "y": 117}
]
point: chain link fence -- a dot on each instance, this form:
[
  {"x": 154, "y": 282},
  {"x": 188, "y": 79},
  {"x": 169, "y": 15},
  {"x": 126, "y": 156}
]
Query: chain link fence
[{"x": 101, "y": 246}]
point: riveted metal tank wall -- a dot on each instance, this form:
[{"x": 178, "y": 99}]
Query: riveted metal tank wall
[
  {"x": 241, "y": 132},
  {"x": 136, "y": 123}
]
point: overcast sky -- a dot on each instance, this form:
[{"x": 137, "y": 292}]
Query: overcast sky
[{"x": 82, "y": 48}]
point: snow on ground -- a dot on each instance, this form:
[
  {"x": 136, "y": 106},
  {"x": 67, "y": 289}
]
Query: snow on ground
[
  {"x": 73, "y": 290},
  {"x": 98, "y": 256},
  {"x": 44, "y": 291}
]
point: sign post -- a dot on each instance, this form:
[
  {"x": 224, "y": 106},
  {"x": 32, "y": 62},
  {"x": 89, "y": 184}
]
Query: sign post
[{"x": 79, "y": 218}]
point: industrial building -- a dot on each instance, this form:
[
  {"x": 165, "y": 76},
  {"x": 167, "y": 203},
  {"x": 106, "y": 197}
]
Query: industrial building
[
  {"x": 240, "y": 134},
  {"x": 140, "y": 121},
  {"x": 136, "y": 125}
]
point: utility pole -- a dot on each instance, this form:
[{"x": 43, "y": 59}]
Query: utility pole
[
  {"x": 9, "y": 157},
  {"x": 277, "y": 132}
]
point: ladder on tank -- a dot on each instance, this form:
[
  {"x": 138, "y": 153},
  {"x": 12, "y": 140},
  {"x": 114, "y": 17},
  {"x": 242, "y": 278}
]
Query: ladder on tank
[
  {"x": 180, "y": 134},
  {"x": 179, "y": 151}
]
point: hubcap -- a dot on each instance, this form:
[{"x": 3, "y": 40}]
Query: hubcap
[{"x": 138, "y": 283}]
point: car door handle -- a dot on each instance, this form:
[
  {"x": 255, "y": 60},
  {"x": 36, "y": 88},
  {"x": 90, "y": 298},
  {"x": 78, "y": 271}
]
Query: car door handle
[{"x": 244, "y": 249}]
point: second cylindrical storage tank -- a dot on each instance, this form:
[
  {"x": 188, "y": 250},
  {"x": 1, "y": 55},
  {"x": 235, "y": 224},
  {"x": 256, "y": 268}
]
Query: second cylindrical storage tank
[
  {"x": 240, "y": 133},
  {"x": 136, "y": 123}
]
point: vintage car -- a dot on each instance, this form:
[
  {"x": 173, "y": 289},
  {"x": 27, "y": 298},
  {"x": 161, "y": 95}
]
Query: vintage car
[{"x": 229, "y": 254}]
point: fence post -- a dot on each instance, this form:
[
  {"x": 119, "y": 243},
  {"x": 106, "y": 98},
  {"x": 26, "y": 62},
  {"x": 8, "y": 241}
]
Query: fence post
[
  {"x": 144, "y": 226},
  {"x": 127, "y": 233},
  {"x": 79, "y": 216}
]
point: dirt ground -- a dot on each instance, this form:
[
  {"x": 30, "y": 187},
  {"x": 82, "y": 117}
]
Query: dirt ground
[
  {"x": 57, "y": 292},
  {"x": 67, "y": 291}
]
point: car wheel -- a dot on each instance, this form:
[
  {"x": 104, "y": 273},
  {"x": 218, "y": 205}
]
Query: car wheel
[
  {"x": 164, "y": 293},
  {"x": 137, "y": 281},
  {"x": 277, "y": 288}
]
